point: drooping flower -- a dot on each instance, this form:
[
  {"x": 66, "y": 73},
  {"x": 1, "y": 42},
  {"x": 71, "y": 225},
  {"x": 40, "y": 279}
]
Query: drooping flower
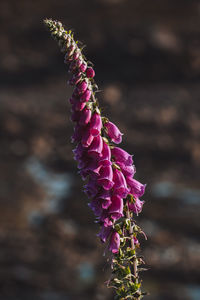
[
  {"x": 105, "y": 158},
  {"x": 122, "y": 156},
  {"x": 113, "y": 132},
  {"x": 120, "y": 187},
  {"x": 136, "y": 188},
  {"x": 96, "y": 146},
  {"x": 106, "y": 177},
  {"x": 116, "y": 207},
  {"x": 104, "y": 233}
]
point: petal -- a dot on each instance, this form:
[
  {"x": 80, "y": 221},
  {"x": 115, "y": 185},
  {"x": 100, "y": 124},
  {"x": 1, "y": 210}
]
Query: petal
[
  {"x": 122, "y": 156},
  {"x": 136, "y": 188}
]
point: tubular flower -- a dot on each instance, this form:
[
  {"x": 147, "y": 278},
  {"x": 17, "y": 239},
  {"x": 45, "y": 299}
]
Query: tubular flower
[
  {"x": 107, "y": 169},
  {"x": 113, "y": 132}
]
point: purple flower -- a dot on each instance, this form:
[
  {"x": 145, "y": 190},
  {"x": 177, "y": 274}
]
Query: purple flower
[
  {"x": 104, "y": 233},
  {"x": 105, "y": 177},
  {"x": 85, "y": 97},
  {"x": 127, "y": 170},
  {"x": 75, "y": 79},
  {"x": 96, "y": 146},
  {"x": 105, "y": 158},
  {"x": 105, "y": 198},
  {"x": 81, "y": 87},
  {"x": 91, "y": 188},
  {"x": 105, "y": 219},
  {"x": 90, "y": 166},
  {"x": 85, "y": 117},
  {"x": 120, "y": 187},
  {"x": 87, "y": 138},
  {"x": 114, "y": 242},
  {"x": 79, "y": 106},
  {"x": 77, "y": 134},
  {"x": 113, "y": 132},
  {"x": 83, "y": 67},
  {"x": 78, "y": 151},
  {"x": 116, "y": 207},
  {"x": 136, "y": 188},
  {"x": 96, "y": 207},
  {"x": 122, "y": 156},
  {"x": 95, "y": 124}
]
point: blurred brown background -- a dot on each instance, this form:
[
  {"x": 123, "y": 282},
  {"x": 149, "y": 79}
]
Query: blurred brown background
[{"x": 147, "y": 62}]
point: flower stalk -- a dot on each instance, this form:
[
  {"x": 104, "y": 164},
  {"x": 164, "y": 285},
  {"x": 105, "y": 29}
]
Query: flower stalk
[{"x": 107, "y": 170}]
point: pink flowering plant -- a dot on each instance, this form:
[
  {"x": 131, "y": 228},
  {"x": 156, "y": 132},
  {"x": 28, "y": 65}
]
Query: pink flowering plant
[{"x": 106, "y": 169}]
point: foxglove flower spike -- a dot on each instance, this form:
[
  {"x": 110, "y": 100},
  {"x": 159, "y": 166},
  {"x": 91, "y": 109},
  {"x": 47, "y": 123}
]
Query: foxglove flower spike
[{"x": 108, "y": 170}]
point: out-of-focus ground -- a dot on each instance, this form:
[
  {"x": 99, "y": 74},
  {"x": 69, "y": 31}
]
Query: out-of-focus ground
[{"x": 147, "y": 62}]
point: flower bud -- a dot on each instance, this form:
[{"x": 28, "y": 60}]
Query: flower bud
[
  {"x": 81, "y": 87},
  {"x": 68, "y": 41},
  {"x": 80, "y": 106},
  {"x": 76, "y": 54},
  {"x": 75, "y": 79},
  {"x": 90, "y": 73},
  {"x": 83, "y": 67},
  {"x": 71, "y": 50},
  {"x": 72, "y": 67},
  {"x": 85, "y": 97},
  {"x": 78, "y": 63},
  {"x": 85, "y": 117}
]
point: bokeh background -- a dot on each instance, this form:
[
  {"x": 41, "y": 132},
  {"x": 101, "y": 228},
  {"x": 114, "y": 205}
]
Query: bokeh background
[{"x": 147, "y": 61}]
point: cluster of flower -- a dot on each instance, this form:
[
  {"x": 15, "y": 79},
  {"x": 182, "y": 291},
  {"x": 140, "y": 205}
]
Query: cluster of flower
[{"x": 108, "y": 169}]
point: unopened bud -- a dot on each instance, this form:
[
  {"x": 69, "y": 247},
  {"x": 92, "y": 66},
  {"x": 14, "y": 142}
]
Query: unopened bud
[
  {"x": 83, "y": 67},
  {"x": 90, "y": 73}
]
